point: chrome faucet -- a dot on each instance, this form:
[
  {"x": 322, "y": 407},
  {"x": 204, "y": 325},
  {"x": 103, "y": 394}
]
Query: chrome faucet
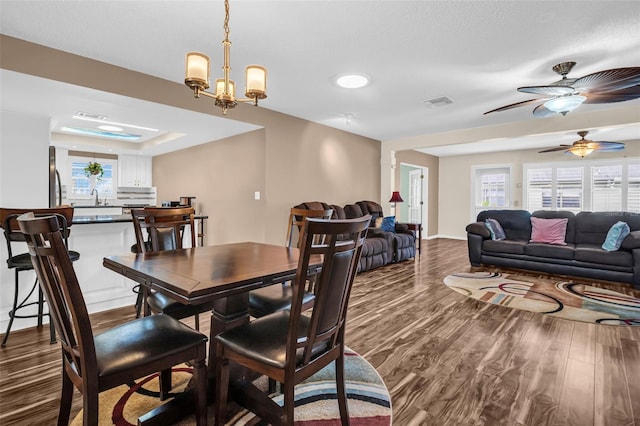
[{"x": 97, "y": 203}]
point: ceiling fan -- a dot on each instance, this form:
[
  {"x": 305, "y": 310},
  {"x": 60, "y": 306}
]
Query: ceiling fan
[
  {"x": 565, "y": 95},
  {"x": 584, "y": 147}
]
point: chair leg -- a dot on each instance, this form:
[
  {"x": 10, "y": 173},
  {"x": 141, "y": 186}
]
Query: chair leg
[
  {"x": 66, "y": 398},
  {"x": 138, "y": 300},
  {"x": 165, "y": 384},
  {"x": 90, "y": 409},
  {"x": 289, "y": 401},
  {"x": 200, "y": 377},
  {"x": 197, "y": 322},
  {"x": 222, "y": 386},
  {"x": 12, "y": 312},
  {"x": 341, "y": 390}
]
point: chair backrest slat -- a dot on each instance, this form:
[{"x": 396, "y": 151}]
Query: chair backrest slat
[
  {"x": 165, "y": 227},
  {"x": 340, "y": 248},
  {"x": 297, "y": 217}
]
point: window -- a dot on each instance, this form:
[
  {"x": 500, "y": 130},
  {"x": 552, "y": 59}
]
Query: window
[
  {"x": 491, "y": 188},
  {"x": 81, "y": 185},
  {"x": 599, "y": 185}
]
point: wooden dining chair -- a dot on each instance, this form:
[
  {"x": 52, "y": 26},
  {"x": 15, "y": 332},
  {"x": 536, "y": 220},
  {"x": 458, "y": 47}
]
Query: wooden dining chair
[
  {"x": 22, "y": 262},
  {"x": 289, "y": 346},
  {"x": 158, "y": 229},
  {"x": 277, "y": 297},
  {"x": 117, "y": 356}
]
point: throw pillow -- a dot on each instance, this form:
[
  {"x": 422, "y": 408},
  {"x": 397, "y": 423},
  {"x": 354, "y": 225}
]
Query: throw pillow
[
  {"x": 378, "y": 223},
  {"x": 616, "y": 234},
  {"x": 550, "y": 231},
  {"x": 389, "y": 224},
  {"x": 497, "y": 233}
]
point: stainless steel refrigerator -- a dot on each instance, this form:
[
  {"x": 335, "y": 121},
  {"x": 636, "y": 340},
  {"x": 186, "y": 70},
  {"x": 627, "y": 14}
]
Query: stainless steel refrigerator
[{"x": 55, "y": 187}]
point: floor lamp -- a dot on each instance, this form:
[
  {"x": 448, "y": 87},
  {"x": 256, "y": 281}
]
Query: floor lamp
[{"x": 395, "y": 198}]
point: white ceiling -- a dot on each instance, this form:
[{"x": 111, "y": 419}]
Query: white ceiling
[{"x": 474, "y": 52}]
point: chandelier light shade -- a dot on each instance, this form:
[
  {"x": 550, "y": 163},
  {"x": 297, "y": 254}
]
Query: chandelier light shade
[
  {"x": 197, "y": 76},
  {"x": 565, "y": 104},
  {"x": 396, "y": 198}
]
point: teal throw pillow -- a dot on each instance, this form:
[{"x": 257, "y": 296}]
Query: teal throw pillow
[
  {"x": 389, "y": 224},
  {"x": 494, "y": 227},
  {"x": 616, "y": 234}
]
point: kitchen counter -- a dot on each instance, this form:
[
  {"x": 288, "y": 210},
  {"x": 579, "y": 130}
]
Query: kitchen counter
[{"x": 83, "y": 220}]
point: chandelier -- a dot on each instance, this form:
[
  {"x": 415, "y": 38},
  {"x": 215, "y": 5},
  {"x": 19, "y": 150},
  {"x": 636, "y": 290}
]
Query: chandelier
[{"x": 197, "y": 76}]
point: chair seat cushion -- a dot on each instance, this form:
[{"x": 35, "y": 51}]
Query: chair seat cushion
[
  {"x": 23, "y": 261},
  {"x": 141, "y": 342},
  {"x": 265, "y": 339},
  {"x": 161, "y": 304},
  {"x": 274, "y": 298}
]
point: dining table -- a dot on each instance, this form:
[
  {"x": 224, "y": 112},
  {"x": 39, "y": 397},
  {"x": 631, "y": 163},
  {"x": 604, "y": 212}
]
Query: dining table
[{"x": 223, "y": 274}]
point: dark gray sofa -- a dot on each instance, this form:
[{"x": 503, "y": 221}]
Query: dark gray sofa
[
  {"x": 583, "y": 255},
  {"x": 380, "y": 248}
]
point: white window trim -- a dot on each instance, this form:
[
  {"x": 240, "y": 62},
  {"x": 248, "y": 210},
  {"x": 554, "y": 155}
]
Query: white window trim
[{"x": 474, "y": 170}]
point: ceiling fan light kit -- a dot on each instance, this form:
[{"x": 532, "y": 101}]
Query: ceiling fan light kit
[
  {"x": 565, "y": 104},
  {"x": 567, "y": 94},
  {"x": 197, "y": 76}
]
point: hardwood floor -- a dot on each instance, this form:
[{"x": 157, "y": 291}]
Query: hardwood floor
[{"x": 446, "y": 359}]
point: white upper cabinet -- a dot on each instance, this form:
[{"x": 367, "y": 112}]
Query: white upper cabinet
[{"x": 134, "y": 170}]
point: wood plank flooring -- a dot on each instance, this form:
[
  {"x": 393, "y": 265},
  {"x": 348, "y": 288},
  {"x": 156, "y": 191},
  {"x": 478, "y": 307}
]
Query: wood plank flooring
[{"x": 446, "y": 359}]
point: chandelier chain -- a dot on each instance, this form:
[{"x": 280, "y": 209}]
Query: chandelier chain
[{"x": 226, "y": 20}]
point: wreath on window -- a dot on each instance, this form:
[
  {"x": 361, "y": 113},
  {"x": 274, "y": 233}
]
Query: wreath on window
[{"x": 94, "y": 169}]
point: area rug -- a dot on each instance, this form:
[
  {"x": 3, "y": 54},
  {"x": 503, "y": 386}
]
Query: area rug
[
  {"x": 563, "y": 299},
  {"x": 316, "y": 404}
]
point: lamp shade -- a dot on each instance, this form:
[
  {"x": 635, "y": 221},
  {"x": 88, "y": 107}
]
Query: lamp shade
[
  {"x": 256, "y": 82},
  {"x": 197, "y": 70},
  {"x": 396, "y": 198}
]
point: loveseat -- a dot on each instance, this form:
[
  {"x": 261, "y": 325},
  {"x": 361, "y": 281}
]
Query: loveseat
[
  {"x": 578, "y": 252},
  {"x": 381, "y": 247}
]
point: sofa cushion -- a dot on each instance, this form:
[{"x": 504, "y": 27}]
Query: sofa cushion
[
  {"x": 549, "y": 250},
  {"x": 504, "y": 246},
  {"x": 632, "y": 241},
  {"x": 592, "y": 227},
  {"x": 516, "y": 223},
  {"x": 353, "y": 211},
  {"x": 593, "y": 253},
  {"x": 617, "y": 233},
  {"x": 338, "y": 212},
  {"x": 550, "y": 231}
]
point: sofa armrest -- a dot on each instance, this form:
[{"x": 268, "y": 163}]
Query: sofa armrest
[
  {"x": 478, "y": 228},
  {"x": 402, "y": 228},
  {"x": 632, "y": 241}
]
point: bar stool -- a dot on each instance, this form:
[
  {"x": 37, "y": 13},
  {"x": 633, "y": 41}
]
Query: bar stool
[{"x": 22, "y": 262}]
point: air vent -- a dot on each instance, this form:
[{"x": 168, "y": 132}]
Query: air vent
[
  {"x": 90, "y": 115},
  {"x": 437, "y": 102}
]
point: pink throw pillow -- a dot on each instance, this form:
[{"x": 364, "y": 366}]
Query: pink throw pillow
[{"x": 550, "y": 231}]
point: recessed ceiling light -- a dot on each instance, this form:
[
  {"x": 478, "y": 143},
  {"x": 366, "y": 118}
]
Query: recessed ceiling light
[
  {"x": 352, "y": 80},
  {"x": 111, "y": 128}
]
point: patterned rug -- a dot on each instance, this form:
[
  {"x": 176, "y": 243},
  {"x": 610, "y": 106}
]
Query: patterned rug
[
  {"x": 316, "y": 404},
  {"x": 563, "y": 299}
]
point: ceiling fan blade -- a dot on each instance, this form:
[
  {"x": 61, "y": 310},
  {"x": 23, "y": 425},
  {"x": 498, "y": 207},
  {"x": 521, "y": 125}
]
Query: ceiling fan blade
[
  {"x": 608, "y": 146},
  {"x": 542, "y": 111},
  {"x": 557, "y": 148},
  {"x": 608, "y": 80},
  {"x": 547, "y": 90},
  {"x": 517, "y": 104},
  {"x": 622, "y": 95}
]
